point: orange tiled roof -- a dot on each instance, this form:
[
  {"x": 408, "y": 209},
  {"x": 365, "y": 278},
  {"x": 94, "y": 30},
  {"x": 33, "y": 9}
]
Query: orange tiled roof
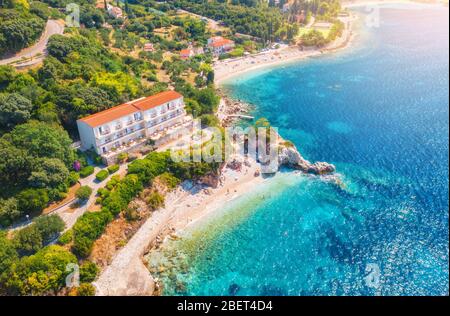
[
  {"x": 131, "y": 107},
  {"x": 109, "y": 115},
  {"x": 156, "y": 100},
  {"x": 222, "y": 42}
]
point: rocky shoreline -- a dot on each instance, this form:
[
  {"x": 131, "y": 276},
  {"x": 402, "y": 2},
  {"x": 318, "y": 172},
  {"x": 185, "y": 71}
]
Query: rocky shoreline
[
  {"x": 290, "y": 157},
  {"x": 230, "y": 109}
]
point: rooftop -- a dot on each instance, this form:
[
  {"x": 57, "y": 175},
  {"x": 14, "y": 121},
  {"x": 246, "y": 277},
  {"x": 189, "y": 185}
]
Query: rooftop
[
  {"x": 131, "y": 107},
  {"x": 221, "y": 42}
]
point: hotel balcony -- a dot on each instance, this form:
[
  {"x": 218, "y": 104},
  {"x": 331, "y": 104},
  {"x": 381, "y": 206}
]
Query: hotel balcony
[
  {"x": 187, "y": 123},
  {"x": 167, "y": 118},
  {"x": 125, "y": 146},
  {"x": 107, "y": 132},
  {"x": 119, "y": 135}
]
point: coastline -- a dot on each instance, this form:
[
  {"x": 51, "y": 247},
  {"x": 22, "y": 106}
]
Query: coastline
[
  {"x": 127, "y": 274},
  {"x": 230, "y": 68}
]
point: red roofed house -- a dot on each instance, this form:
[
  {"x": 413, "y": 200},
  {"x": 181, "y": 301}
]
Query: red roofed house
[
  {"x": 219, "y": 45},
  {"x": 160, "y": 117},
  {"x": 148, "y": 47},
  {"x": 115, "y": 12},
  {"x": 186, "y": 53}
]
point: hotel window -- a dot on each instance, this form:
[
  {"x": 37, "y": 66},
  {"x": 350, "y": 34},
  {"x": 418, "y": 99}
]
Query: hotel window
[{"x": 137, "y": 116}]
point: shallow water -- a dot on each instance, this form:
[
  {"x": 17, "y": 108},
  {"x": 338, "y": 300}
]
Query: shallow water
[{"x": 380, "y": 113}]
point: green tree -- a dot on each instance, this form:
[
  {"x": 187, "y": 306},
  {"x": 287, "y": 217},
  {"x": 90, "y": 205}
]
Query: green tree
[
  {"x": 43, "y": 140},
  {"x": 32, "y": 201},
  {"x": 28, "y": 240},
  {"x": 49, "y": 173},
  {"x": 9, "y": 211},
  {"x": 88, "y": 271},
  {"x": 15, "y": 163},
  {"x": 86, "y": 289},
  {"x": 8, "y": 254},
  {"x": 49, "y": 226},
  {"x": 83, "y": 193},
  {"x": 41, "y": 273},
  {"x": 14, "y": 109}
]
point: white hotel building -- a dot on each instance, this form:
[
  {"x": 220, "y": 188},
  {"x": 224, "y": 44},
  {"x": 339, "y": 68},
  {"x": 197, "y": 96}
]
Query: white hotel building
[{"x": 160, "y": 117}]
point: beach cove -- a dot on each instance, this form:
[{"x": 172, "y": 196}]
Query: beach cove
[{"x": 312, "y": 238}]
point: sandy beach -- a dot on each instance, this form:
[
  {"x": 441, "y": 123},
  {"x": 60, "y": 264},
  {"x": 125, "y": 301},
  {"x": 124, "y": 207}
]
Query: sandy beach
[
  {"x": 127, "y": 274},
  {"x": 226, "y": 69}
]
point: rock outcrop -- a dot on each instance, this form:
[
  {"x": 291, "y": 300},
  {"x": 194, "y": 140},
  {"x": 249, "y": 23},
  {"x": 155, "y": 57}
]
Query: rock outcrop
[{"x": 290, "y": 157}]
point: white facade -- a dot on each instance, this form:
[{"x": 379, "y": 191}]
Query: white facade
[
  {"x": 126, "y": 126},
  {"x": 115, "y": 12}
]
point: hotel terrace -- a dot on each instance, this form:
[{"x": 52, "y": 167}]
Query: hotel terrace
[{"x": 160, "y": 118}]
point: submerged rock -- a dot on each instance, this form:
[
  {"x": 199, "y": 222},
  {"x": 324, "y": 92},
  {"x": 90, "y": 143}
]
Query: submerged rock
[{"x": 233, "y": 289}]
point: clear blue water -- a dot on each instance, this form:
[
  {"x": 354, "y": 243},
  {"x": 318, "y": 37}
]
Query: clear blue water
[{"x": 378, "y": 112}]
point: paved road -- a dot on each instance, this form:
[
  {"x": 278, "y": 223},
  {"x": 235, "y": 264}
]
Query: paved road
[
  {"x": 214, "y": 25},
  {"x": 52, "y": 27}
]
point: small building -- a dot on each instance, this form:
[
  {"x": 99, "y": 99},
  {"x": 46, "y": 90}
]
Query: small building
[
  {"x": 219, "y": 45},
  {"x": 115, "y": 12},
  {"x": 186, "y": 53},
  {"x": 148, "y": 47},
  {"x": 160, "y": 118}
]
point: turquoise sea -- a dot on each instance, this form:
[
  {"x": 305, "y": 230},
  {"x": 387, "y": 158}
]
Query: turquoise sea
[{"x": 379, "y": 112}]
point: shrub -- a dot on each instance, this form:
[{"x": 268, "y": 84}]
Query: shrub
[
  {"x": 98, "y": 160},
  {"x": 132, "y": 211},
  {"x": 86, "y": 171},
  {"x": 155, "y": 200},
  {"x": 88, "y": 271},
  {"x": 66, "y": 238},
  {"x": 111, "y": 184},
  {"x": 209, "y": 120},
  {"x": 87, "y": 229},
  {"x": 73, "y": 178},
  {"x": 169, "y": 180},
  {"x": 113, "y": 168},
  {"x": 102, "y": 175},
  {"x": 86, "y": 289},
  {"x": 122, "y": 157},
  {"x": 83, "y": 193}
]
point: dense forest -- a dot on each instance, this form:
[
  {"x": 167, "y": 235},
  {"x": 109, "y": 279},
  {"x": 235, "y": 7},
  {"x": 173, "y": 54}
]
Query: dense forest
[
  {"x": 21, "y": 24},
  {"x": 254, "y": 18}
]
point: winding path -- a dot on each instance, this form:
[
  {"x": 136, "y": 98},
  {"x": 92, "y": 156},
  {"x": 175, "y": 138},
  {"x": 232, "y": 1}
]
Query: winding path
[{"x": 38, "y": 50}]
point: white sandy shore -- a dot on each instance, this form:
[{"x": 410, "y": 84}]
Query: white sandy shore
[
  {"x": 127, "y": 274},
  {"x": 226, "y": 69}
]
